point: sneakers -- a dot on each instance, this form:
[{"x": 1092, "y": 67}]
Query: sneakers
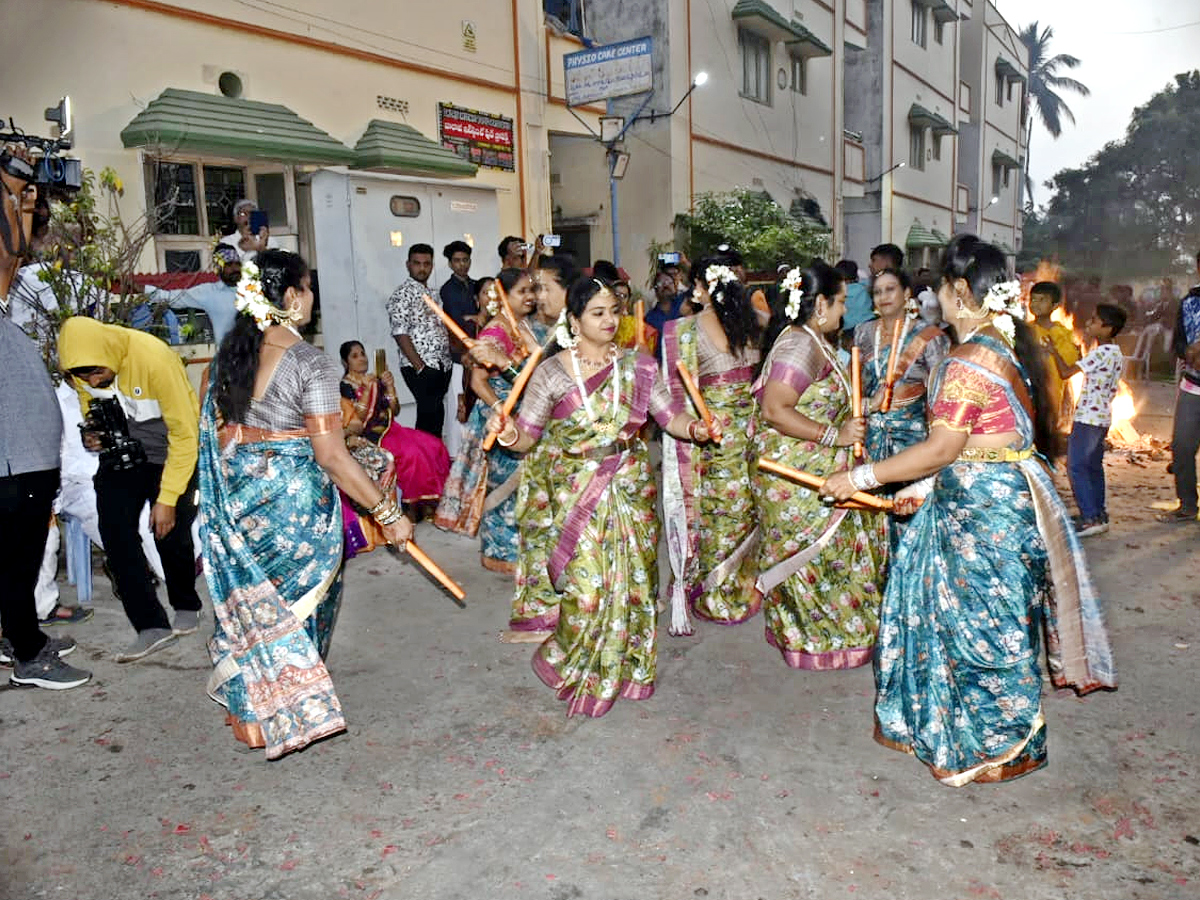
[
  {"x": 1088, "y": 528},
  {"x": 75, "y": 614},
  {"x": 186, "y": 621},
  {"x": 147, "y": 642},
  {"x": 46, "y": 670},
  {"x": 1175, "y": 517},
  {"x": 61, "y": 646}
]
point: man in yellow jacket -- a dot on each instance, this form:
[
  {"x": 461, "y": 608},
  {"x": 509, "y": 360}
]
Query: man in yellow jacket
[{"x": 155, "y": 464}]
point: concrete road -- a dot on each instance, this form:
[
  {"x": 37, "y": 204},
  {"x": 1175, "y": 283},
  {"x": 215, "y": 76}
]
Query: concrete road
[{"x": 460, "y": 777}]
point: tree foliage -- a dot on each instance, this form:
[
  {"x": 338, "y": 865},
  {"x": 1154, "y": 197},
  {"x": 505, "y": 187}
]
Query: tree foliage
[
  {"x": 759, "y": 228},
  {"x": 1045, "y": 82},
  {"x": 1134, "y": 207}
]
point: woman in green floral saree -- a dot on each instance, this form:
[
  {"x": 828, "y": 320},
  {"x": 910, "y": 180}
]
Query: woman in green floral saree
[
  {"x": 819, "y": 566},
  {"x": 708, "y": 502},
  {"x": 586, "y": 405}
]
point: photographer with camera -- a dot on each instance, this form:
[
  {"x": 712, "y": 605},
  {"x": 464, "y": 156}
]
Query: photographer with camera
[{"x": 142, "y": 416}]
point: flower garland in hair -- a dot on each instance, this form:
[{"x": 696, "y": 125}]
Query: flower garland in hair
[
  {"x": 912, "y": 307},
  {"x": 493, "y": 304},
  {"x": 1003, "y": 298},
  {"x": 793, "y": 283},
  {"x": 716, "y": 277},
  {"x": 251, "y": 300},
  {"x": 562, "y": 332}
]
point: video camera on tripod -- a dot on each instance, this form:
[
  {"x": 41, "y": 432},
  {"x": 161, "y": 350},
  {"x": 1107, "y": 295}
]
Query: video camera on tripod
[
  {"x": 59, "y": 174},
  {"x": 106, "y": 421}
]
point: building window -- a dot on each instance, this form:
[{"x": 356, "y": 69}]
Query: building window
[
  {"x": 916, "y": 147},
  {"x": 799, "y": 75},
  {"x": 755, "y": 51},
  {"x": 936, "y": 146},
  {"x": 939, "y": 30},
  {"x": 1000, "y": 82},
  {"x": 1006, "y": 171},
  {"x": 996, "y": 176},
  {"x": 919, "y": 23}
]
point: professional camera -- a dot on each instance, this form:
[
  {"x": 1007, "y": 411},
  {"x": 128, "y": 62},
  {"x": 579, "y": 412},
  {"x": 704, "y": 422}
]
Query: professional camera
[
  {"x": 106, "y": 420},
  {"x": 58, "y": 173}
]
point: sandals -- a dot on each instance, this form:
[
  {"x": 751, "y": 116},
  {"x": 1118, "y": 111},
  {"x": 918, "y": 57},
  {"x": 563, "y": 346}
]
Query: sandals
[
  {"x": 1175, "y": 517},
  {"x": 66, "y": 615}
]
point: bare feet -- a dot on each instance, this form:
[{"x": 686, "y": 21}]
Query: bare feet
[{"x": 523, "y": 637}]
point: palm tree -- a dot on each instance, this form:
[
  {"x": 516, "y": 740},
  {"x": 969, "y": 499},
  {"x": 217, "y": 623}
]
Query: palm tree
[{"x": 1044, "y": 81}]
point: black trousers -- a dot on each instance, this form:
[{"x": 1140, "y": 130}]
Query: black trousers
[
  {"x": 120, "y": 497},
  {"x": 429, "y": 390},
  {"x": 25, "y": 502}
]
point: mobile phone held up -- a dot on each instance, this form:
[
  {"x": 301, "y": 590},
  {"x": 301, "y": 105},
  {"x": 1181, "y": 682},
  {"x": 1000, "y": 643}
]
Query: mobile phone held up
[
  {"x": 669, "y": 259},
  {"x": 258, "y": 220}
]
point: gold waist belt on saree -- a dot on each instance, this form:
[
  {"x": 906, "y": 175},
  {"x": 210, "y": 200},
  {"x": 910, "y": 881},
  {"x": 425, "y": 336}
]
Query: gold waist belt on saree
[
  {"x": 601, "y": 452},
  {"x": 994, "y": 454}
]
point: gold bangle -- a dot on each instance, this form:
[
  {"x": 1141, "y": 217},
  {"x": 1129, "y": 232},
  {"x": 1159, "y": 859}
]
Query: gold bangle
[{"x": 378, "y": 506}]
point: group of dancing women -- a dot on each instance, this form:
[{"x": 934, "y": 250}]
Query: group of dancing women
[{"x": 950, "y": 588}]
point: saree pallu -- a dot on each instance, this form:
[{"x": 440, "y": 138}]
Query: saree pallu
[
  {"x": 271, "y": 533},
  {"x": 535, "y": 602},
  {"x": 479, "y": 497},
  {"x": 708, "y": 501},
  {"x": 360, "y": 531},
  {"x": 604, "y": 562},
  {"x": 820, "y": 566},
  {"x": 988, "y": 564}
]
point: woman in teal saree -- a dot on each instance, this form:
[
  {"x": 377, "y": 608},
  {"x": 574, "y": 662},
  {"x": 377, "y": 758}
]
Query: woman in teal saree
[
  {"x": 586, "y": 405},
  {"x": 272, "y": 456},
  {"x": 990, "y": 561}
]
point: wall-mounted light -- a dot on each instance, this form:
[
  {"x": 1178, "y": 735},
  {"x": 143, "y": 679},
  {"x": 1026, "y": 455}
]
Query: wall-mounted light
[
  {"x": 397, "y": 238},
  {"x": 619, "y": 162},
  {"x": 899, "y": 165}
]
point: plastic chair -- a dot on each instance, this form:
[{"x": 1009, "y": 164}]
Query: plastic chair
[{"x": 79, "y": 559}]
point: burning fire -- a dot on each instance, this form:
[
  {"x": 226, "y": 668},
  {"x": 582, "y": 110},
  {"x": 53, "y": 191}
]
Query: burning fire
[{"x": 1123, "y": 406}]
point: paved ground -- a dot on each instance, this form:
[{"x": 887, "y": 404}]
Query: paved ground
[{"x": 461, "y": 778}]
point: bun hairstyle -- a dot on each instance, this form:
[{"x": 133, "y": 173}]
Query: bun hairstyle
[
  {"x": 818, "y": 280},
  {"x": 237, "y": 359},
  {"x": 982, "y": 265},
  {"x": 731, "y": 303}
]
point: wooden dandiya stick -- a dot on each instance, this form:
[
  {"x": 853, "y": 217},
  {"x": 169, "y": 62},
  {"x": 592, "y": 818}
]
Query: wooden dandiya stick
[
  {"x": 435, "y": 570},
  {"x": 510, "y": 402},
  {"x": 506, "y": 310},
  {"x": 893, "y": 362},
  {"x": 856, "y": 392},
  {"x": 450, "y": 324},
  {"x": 860, "y": 499},
  {"x": 639, "y": 320},
  {"x": 694, "y": 392}
]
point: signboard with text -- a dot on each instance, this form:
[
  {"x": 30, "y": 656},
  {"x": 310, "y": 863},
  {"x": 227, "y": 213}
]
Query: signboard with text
[
  {"x": 477, "y": 137},
  {"x": 614, "y": 70}
]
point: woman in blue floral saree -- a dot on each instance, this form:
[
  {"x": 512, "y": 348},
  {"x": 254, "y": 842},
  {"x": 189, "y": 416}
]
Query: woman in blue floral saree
[
  {"x": 990, "y": 561},
  {"x": 271, "y": 453}
]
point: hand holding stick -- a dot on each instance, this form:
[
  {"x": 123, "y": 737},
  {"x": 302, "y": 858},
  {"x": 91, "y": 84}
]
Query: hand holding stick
[
  {"x": 856, "y": 392},
  {"x": 510, "y": 402},
  {"x": 697, "y": 398},
  {"x": 893, "y": 363},
  {"x": 450, "y": 324},
  {"x": 859, "y": 500}
]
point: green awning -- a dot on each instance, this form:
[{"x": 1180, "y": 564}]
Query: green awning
[
  {"x": 807, "y": 43},
  {"x": 942, "y": 239},
  {"x": 192, "y": 122},
  {"x": 943, "y": 11},
  {"x": 807, "y": 211},
  {"x": 1005, "y": 69},
  {"x": 761, "y": 18},
  {"x": 920, "y": 236},
  {"x": 1000, "y": 158},
  {"x": 919, "y": 115},
  {"x": 394, "y": 147}
]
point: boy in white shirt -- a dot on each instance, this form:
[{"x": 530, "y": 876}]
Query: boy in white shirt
[{"x": 1102, "y": 369}]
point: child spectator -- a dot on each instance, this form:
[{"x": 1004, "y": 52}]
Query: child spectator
[
  {"x": 1093, "y": 414},
  {"x": 1044, "y": 297}
]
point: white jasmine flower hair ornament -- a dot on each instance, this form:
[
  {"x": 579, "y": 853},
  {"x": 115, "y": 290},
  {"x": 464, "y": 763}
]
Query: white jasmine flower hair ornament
[
  {"x": 251, "y": 301},
  {"x": 717, "y": 277},
  {"x": 1004, "y": 298},
  {"x": 793, "y": 283},
  {"x": 562, "y": 332}
]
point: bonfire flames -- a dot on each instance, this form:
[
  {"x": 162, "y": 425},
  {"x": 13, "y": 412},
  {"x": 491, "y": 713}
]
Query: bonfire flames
[{"x": 1122, "y": 432}]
